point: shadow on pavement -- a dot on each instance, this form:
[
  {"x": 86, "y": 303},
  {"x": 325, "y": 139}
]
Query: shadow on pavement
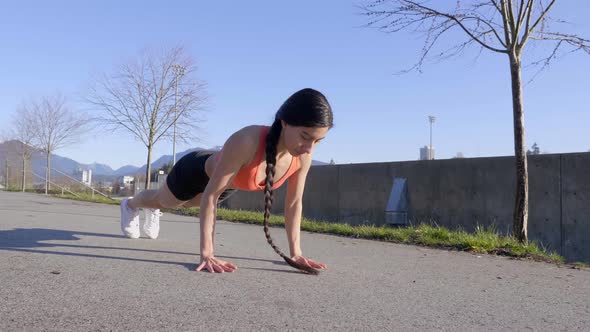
[{"x": 32, "y": 240}]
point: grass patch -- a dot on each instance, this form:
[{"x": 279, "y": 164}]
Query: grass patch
[
  {"x": 15, "y": 189},
  {"x": 88, "y": 198},
  {"x": 483, "y": 240},
  {"x": 581, "y": 265}
]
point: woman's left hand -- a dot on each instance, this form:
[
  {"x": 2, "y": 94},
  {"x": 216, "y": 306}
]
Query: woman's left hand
[{"x": 308, "y": 262}]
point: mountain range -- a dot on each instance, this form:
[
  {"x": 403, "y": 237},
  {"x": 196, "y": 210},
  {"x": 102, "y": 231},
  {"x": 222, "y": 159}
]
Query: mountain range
[{"x": 9, "y": 150}]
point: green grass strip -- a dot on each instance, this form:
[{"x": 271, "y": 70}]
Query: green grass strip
[{"x": 483, "y": 240}]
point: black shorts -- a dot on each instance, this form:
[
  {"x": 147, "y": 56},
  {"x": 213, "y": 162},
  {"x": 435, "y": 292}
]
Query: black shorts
[{"x": 188, "y": 178}]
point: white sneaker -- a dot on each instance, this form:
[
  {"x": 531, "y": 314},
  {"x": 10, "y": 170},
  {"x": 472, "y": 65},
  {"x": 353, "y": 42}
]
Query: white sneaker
[
  {"x": 151, "y": 227},
  {"x": 129, "y": 220}
]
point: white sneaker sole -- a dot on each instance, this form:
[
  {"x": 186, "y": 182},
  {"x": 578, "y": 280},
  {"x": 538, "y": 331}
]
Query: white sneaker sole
[
  {"x": 151, "y": 232},
  {"x": 130, "y": 234}
]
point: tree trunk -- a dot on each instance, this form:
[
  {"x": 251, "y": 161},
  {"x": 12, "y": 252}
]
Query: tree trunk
[
  {"x": 521, "y": 206},
  {"x": 6, "y": 173},
  {"x": 148, "y": 169},
  {"x": 24, "y": 171},
  {"x": 48, "y": 173}
]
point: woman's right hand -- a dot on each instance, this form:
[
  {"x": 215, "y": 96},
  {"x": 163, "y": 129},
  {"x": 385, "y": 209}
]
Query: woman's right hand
[{"x": 215, "y": 265}]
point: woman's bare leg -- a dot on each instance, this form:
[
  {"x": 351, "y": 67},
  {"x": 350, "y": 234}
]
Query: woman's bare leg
[
  {"x": 155, "y": 199},
  {"x": 193, "y": 202}
]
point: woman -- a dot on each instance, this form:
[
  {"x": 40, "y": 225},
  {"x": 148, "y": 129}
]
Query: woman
[{"x": 253, "y": 158}]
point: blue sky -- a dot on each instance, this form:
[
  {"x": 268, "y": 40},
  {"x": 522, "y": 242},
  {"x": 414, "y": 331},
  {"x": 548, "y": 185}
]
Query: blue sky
[{"x": 253, "y": 55}]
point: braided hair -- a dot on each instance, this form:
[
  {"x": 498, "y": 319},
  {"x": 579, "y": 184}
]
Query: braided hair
[{"x": 307, "y": 108}]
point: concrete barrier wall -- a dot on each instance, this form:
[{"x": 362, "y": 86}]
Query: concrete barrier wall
[
  {"x": 455, "y": 193},
  {"x": 359, "y": 185},
  {"x": 544, "y": 201},
  {"x": 322, "y": 193},
  {"x": 575, "y": 218}
]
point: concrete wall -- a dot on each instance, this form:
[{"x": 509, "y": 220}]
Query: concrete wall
[
  {"x": 455, "y": 193},
  {"x": 575, "y": 207}
]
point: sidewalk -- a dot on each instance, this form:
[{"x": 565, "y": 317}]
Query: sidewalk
[{"x": 65, "y": 267}]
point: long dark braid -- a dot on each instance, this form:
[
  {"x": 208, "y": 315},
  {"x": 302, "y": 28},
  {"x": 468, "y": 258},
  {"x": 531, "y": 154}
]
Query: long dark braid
[{"x": 272, "y": 139}]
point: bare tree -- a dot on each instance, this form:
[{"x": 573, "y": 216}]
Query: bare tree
[
  {"x": 55, "y": 126},
  {"x": 535, "y": 150},
  {"x": 153, "y": 98},
  {"x": 502, "y": 26},
  {"x": 24, "y": 133}
]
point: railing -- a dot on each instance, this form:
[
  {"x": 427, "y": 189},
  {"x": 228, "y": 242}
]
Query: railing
[
  {"x": 57, "y": 185},
  {"x": 65, "y": 182},
  {"x": 84, "y": 184}
]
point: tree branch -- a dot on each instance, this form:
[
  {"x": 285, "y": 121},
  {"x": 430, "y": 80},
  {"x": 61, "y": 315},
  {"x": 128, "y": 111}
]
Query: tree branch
[
  {"x": 139, "y": 96},
  {"x": 452, "y": 17},
  {"x": 532, "y": 28}
]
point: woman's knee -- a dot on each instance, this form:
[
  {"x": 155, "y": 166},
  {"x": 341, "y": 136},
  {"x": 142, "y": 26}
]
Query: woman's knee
[
  {"x": 193, "y": 202},
  {"x": 166, "y": 199}
]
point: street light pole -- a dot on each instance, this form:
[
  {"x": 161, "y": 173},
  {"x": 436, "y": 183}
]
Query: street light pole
[
  {"x": 431, "y": 119},
  {"x": 178, "y": 71},
  {"x": 6, "y": 175},
  {"x": 175, "y": 115}
]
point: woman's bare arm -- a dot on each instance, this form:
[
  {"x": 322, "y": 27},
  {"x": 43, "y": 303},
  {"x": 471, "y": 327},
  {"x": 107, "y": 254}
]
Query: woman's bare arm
[
  {"x": 293, "y": 213},
  {"x": 237, "y": 151}
]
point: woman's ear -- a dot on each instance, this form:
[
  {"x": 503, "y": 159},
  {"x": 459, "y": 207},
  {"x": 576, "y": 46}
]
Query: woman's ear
[{"x": 283, "y": 124}]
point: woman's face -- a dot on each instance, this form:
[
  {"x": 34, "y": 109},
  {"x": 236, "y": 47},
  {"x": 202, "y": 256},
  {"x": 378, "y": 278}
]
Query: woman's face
[{"x": 300, "y": 140}]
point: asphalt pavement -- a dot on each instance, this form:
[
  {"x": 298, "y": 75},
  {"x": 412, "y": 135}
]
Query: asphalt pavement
[{"x": 64, "y": 266}]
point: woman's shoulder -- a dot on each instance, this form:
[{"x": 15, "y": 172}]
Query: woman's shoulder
[
  {"x": 253, "y": 129},
  {"x": 246, "y": 138},
  {"x": 249, "y": 134}
]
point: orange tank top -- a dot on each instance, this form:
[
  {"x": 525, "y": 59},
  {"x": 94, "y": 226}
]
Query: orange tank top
[{"x": 246, "y": 177}]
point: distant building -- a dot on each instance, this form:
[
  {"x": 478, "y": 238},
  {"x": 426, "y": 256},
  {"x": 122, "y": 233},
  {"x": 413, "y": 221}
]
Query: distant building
[
  {"x": 427, "y": 153},
  {"x": 160, "y": 178},
  {"x": 87, "y": 177},
  {"x": 127, "y": 180}
]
